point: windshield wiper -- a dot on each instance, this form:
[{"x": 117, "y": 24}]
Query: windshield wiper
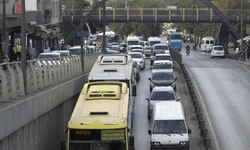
[
  {"x": 167, "y": 133},
  {"x": 177, "y": 133}
]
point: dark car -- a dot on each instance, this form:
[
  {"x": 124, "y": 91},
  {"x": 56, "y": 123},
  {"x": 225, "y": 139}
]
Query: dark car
[{"x": 162, "y": 78}]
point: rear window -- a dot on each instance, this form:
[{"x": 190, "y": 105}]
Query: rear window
[
  {"x": 218, "y": 48},
  {"x": 162, "y": 95}
]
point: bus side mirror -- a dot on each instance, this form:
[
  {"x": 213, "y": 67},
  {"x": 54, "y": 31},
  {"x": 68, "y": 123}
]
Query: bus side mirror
[
  {"x": 134, "y": 90},
  {"x": 62, "y": 145},
  {"x": 189, "y": 131},
  {"x": 147, "y": 99},
  {"x": 149, "y": 132},
  {"x": 131, "y": 143}
]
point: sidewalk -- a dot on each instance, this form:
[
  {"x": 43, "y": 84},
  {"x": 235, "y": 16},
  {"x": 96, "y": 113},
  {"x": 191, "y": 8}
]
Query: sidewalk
[{"x": 232, "y": 55}]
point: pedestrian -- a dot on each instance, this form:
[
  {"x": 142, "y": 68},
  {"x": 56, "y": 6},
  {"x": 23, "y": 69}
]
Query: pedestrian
[
  {"x": 248, "y": 50},
  {"x": 18, "y": 52},
  {"x": 47, "y": 49},
  {"x": 237, "y": 50},
  {"x": 14, "y": 51},
  {"x": 32, "y": 53}
]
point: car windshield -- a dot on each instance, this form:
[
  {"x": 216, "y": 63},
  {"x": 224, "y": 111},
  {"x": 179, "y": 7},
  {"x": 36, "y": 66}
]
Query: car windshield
[
  {"x": 158, "y": 52},
  {"x": 162, "y": 95},
  {"x": 136, "y": 48},
  {"x": 75, "y": 51},
  {"x": 162, "y": 66},
  {"x": 154, "y": 42},
  {"x": 163, "y": 58},
  {"x": 161, "y": 48},
  {"x": 64, "y": 54},
  {"x": 136, "y": 55},
  {"x": 169, "y": 127},
  {"x": 163, "y": 76},
  {"x": 133, "y": 42},
  {"x": 218, "y": 48},
  {"x": 48, "y": 56}
]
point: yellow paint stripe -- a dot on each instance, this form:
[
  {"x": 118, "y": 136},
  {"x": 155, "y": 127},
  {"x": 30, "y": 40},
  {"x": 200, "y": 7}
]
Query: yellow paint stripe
[
  {"x": 211, "y": 14},
  {"x": 141, "y": 10},
  {"x": 169, "y": 15},
  {"x": 155, "y": 14},
  {"x": 113, "y": 14},
  {"x": 127, "y": 14},
  {"x": 100, "y": 14},
  {"x": 197, "y": 15},
  {"x": 183, "y": 15}
]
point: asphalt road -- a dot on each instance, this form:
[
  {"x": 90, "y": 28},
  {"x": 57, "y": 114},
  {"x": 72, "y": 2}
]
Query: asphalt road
[
  {"x": 141, "y": 123},
  {"x": 223, "y": 87}
]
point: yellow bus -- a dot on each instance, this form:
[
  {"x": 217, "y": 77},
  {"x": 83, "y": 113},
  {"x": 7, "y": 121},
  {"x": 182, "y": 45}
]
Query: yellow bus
[{"x": 101, "y": 119}]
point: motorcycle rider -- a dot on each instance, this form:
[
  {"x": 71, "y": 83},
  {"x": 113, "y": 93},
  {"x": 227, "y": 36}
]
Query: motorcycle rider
[
  {"x": 194, "y": 47},
  {"x": 187, "y": 49}
]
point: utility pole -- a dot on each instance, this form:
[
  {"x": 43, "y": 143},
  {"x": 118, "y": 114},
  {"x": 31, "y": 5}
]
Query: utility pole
[
  {"x": 4, "y": 44},
  {"x": 82, "y": 54},
  {"x": 104, "y": 30},
  {"x": 23, "y": 43},
  {"x": 241, "y": 27}
]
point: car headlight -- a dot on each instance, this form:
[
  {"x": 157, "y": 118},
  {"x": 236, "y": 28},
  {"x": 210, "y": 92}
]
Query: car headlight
[
  {"x": 184, "y": 143},
  {"x": 155, "y": 143}
]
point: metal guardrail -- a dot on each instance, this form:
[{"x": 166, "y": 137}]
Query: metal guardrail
[{"x": 40, "y": 74}]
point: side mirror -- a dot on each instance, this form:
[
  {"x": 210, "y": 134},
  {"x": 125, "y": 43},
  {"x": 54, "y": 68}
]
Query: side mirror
[
  {"x": 149, "y": 79},
  {"x": 150, "y": 67},
  {"x": 134, "y": 90},
  {"x": 147, "y": 99},
  {"x": 131, "y": 141},
  {"x": 178, "y": 98},
  {"x": 175, "y": 79},
  {"x": 149, "y": 132},
  {"x": 189, "y": 131},
  {"x": 62, "y": 145}
]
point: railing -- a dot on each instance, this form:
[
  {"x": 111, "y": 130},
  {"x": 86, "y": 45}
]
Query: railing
[
  {"x": 160, "y": 12},
  {"x": 40, "y": 74}
]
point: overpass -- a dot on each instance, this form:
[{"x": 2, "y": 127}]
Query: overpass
[{"x": 211, "y": 14}]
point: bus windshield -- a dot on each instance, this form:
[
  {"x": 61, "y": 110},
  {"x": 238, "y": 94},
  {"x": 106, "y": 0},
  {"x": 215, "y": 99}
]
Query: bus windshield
[
  {"x": 175, "y": 37},
  {"x": 111, "y": 139}
]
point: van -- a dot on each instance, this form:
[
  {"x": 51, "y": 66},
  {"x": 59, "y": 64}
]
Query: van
[
  {"x": 168, "y": 128},
  {"x": 206, "y": 44}
]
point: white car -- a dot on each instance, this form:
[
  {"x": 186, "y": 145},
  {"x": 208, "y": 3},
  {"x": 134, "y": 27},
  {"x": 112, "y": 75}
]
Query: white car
[
  {"x": 162, "y": 65},
  {"x": 64, "y": 53},
  {"x": 135, "y": 47},
  {"x": 139, "y": 58},
  {"x": 163, "y": 57},
  {"x": 164, "y": 47},
  {"x": 217, "y": 51}
]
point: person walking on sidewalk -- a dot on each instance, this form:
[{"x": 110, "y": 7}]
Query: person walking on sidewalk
[
  {"x": 237, "y": 50},
  {"x": 248, "y": 50}
]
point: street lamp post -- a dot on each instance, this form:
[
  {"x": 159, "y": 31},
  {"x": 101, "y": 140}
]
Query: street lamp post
[
  {"x": 4, "y": 44},
  {"x": 23, "y": 43},
  {"x": 241, "y": 27}
]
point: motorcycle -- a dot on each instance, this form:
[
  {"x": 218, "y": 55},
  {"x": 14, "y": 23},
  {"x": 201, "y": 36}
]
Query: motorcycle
[{"x": 194, "y": 47}]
